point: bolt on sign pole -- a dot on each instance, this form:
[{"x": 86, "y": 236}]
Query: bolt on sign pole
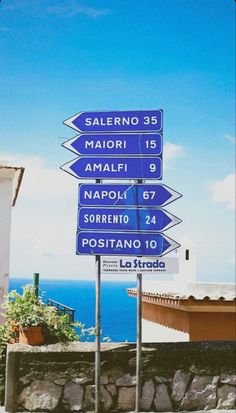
[{"x": 98, "y": 332}]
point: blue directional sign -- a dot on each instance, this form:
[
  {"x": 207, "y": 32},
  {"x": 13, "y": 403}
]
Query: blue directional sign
[
  {"x": 116, "y": 144},
  {"x": 115, "y": 167},
  {"x": 152, "y": 195},
  {"x": 124, "y": 243},
  {"x": 121, "y": 121},
  {"x": 125, "y": 219}
]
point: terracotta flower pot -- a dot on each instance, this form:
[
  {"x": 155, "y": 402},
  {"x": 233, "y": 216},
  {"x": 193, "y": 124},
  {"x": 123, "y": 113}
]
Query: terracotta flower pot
[{"x": 32, "y": 336}]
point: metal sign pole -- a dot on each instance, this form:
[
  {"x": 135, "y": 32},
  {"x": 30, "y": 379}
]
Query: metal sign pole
[
  {"x": 139, "y": 343},
  {"x": 139, "y": 331},
  {"x": 98, "y": 338},
  {"x": 98, "y": 332}
]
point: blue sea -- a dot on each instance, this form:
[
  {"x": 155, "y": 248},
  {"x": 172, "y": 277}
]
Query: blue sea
[{"x": 118, "y": 311}]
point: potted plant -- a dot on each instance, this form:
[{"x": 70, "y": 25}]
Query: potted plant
[
  {"x": 31, "y": 322},
  {"x": 24, "y": 316}
]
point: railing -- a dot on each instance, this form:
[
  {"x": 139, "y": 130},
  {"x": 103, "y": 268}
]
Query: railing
[{"x": 62, "y": 309}]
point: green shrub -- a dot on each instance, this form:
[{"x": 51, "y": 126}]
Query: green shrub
[{"x": 26, "y": 310}]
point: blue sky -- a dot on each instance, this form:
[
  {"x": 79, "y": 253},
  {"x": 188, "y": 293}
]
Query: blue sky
[{"x": 61, "y": 57}]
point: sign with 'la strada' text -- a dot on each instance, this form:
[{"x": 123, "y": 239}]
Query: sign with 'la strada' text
[{"x": 134, "y": 265}]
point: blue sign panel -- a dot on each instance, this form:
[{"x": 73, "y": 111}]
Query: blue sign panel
[
  {"x": 124, "y": 243},
  {"x": 123, "y": 219},
  {"x": 153, "y": 195},
  {"x": 121, "y": 121},
  {"x": 116, "y": 144},
  {"x": 115, "y": 167}
]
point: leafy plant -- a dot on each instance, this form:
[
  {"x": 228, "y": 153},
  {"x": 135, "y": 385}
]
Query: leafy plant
[{"x": 26, "y": 310}]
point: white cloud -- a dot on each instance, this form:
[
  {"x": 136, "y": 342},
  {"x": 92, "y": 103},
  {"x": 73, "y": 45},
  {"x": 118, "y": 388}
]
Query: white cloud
[
  {"x": 172, "y": 151},
  {"x": 44, "y": 220},
  {"x": 69, "y": 8},
  {"x": 74, "y": 9},
  {"x": 230, "y": 138},
  {"x": 223, "y": 191}
]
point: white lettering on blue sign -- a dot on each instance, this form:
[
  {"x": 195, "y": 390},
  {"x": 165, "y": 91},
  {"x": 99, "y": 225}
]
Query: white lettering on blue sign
[
  {"x": 106, "y": 167},
  {"x": 105, "y": 144},
  {"x": 106, "y": 219},
  {"x": 104, "y": 194},
  {"x": 112, "y": 121},
  {"x": 111, "y": 243}
]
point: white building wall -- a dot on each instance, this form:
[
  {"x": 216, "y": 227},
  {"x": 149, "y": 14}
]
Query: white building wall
[
  {"x": 5, "y": 227},
  {"x": 155, "y": 333}
]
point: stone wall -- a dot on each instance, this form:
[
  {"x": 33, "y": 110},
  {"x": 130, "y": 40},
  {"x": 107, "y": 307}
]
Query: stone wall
[
  {"x": 175, "y": 377},
  {"x": 2, "y": 372}
]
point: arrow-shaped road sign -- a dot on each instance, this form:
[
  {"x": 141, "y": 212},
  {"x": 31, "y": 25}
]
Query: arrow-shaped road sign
[
  {"x": 153, "y": 195},
  {"x": 121, "y": 121},
  {"x": 126, "y": 219},
  {"x": 115, "y": 167},
  {"x": 116, "y": 144},
  {"x": 124, "y": 243}
]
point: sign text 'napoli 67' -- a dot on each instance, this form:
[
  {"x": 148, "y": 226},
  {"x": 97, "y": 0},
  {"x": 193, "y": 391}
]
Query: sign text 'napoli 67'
[
  {"x": 152, "y": 195},
  {"x": 117, "y": 121}
]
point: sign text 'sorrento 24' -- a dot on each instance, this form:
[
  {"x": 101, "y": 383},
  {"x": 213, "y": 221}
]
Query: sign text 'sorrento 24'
[
  {"x": 125, "y": 219},
  {"x": 121, "y": 121},
  {"x": 115, "y": 167},
  {"x": 116, "y": 144},
  {"x": 124, "y": 243},
  {"x": 153, "y": 195}
]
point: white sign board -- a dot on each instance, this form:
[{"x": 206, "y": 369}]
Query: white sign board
[{"x": 134, "y": 265}]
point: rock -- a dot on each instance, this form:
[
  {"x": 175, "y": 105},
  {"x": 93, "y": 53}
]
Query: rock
[
  {"x": 73, "y": 396},
  {"x": 201, "y": 395},
  {"x": 89, "y": 398},
  {"x": 60, "y": 382},
  {"x": 40, "y": 395},
  {"x": 226, "y": 396},
  {"x": 162, "y": 400},
  {"x": 104, "y": 379},
  {"x": 106, "y": 399},
  {"x": 25, "y": 380},
  {"x": 147, "y": 395},
  {"x": 112, "y": 389},
  {"x": 132, "y": 362},
  {"x": 179, "y": 385},
  {"x": 82, "y": 380},
  {"x": 160, "y": 379},
  {"x": 126, "y": 380},
  {"x": 114, "y": 374},
  {"x": 228, "y": 379},
  {"x": 126, "y": 398}
]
